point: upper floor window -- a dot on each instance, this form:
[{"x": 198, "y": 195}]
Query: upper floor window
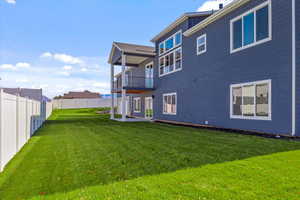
[
  {"x": 251, "y": 100},
  {"x": 170, "y": 62},
  {"x": 170, "y": 43},
  {"x": 201, "y": 44},
  {"x": 251, "y": 28}
]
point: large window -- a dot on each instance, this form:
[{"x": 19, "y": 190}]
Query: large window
[
  {"x": 251, "y": 100},
  {"x": 170, "y": 43},
  {"x": 201, "y": 44},
  {"x": 137, "y": 104},
  {"x": 251, "y": 28},
  {"x": 169, "y": 104},
  {"x": 170, "y": 62}
]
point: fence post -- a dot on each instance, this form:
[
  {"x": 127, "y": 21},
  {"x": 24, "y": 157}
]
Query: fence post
[
  {"x": 1, "y": 128},
  {"x": 26, "y": 131},
  {"x": 17, "y": 122}
]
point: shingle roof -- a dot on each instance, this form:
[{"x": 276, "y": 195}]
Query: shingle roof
[
  {"x": 81, "y": 95},
  {"x": 35, "y": 94}
]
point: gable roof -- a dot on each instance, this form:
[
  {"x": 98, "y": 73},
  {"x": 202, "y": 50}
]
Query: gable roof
[
  {"x": 215, "y": 16},
  {"x": 178, "y": 21},
  {"x": 131, "y": 49}
]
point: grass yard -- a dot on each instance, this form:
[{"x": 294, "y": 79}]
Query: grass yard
[{"x": 80, "y": 155}]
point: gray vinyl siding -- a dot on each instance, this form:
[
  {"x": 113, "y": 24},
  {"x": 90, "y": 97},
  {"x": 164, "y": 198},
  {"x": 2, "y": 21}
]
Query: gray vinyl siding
[
  {"x": 297, "y": 67},
  {"x": 203, "y": 84}
]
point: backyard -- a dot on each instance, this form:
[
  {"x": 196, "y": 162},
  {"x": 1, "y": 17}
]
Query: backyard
[{"x": 79, "y": 154}]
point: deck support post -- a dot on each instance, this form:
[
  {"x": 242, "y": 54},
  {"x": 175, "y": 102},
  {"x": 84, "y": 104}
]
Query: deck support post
[
  {"x": 123, "y": 102},
  {"x": 112, "y": 75}
]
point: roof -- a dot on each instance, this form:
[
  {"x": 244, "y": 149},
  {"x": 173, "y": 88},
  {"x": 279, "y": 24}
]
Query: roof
[
  {"x": 215, "y": 16},
  {"x": 35, "y": 94},
  {"x": 178, "y": 21},
  {"x": 132, "y": 49},
  {"x": 81, "y": 95}
]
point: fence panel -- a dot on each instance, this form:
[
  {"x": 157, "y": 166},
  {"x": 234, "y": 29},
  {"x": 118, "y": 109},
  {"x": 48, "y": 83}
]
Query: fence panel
[
  {"x": 81, "y": 103},
  {"x": 19, "y": 119}
]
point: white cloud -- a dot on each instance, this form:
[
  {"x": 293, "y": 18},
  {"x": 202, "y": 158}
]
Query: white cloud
[
  {"x": 22, "y": 65},
  {"x": 67, "y": 67},
  {"x": 84, "y": 69},
  {"x": 64, "y": 73},
  {"x": 65, "y": 58},
  {"x": 101, "y": 85},
  {"x": 22, "y": 80},
  {"x": 213, "y": 5},
  {"x": 46, "y": 55},
  {"x": 11, "y": 1},
  {"x": 8, "y": 67}
]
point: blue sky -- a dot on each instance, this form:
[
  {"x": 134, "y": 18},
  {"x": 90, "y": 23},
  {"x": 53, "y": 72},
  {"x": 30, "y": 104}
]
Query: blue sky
[{"x": 62, "y": 45}]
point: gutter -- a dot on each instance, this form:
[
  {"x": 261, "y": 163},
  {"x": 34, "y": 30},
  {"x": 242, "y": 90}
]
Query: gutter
[
  {"x": 293, "y": 67},
  {"x": 219, "y": 14}
]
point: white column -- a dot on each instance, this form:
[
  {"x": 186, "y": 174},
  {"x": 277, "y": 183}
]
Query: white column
[
  {"x": 112, "y": 77},
  {"x": 123, "y": 90},
  {"x": 1, "y": 128}
]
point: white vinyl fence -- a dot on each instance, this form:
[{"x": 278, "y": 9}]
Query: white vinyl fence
[
  {"x": 19, "y": 119},
  {"x": 81, "y": 103}
]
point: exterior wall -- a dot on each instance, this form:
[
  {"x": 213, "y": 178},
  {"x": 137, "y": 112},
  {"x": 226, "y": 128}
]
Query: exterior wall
[
  {"x": 140, "y": 72},
  {"x": 203, "y": 84},
  {"x": 297, "y": 4}
]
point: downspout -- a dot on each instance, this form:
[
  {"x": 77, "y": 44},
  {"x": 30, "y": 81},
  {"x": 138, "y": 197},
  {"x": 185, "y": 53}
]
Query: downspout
[{"x": 294, "y": 67}]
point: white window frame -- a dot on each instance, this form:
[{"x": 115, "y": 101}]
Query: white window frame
[
  {"x": 174, "y": 62},
  {"x": 174, "y": 43},
  {"x": 135, "y": 99},
  {"x": 255, "y": 83},
  {"x": 169, "y": 94},
  {"x": 205, "y": 43},
  {"x": 232, "y": 50}
]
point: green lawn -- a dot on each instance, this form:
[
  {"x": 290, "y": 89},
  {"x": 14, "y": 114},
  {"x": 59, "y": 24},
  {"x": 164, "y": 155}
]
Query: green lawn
[{"x": 80, "y": 155}]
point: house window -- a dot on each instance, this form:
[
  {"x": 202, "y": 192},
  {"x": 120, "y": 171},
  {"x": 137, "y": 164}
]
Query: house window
[
  {"x": 161, "y": 48},
  {"x": 251, "y": 28},
  {"x": 251, "y": 100},
  {"x": 201, "y": 44},
  {"x": 169, "y": 104},
  {"x": 178, "y": 59},
  {"x": 170, "y": 62},
  {"x": 171, "y": 43},
  {"x": 137, "y": 104}
]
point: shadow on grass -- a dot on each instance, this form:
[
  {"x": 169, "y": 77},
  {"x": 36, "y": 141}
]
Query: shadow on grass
[{"x": 87, "y": 150}]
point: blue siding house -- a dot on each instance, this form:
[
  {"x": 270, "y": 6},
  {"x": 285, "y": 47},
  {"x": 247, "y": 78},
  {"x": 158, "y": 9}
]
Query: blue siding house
[{"x": 235, "y": 68}]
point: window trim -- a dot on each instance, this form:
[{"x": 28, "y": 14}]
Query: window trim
[
  {"x": 255, "y": 83},
  {"x": 174, "y": 57},
  {"x": 140, "y": 105},
  {"x": 255, "y": 43},
  {"x": 163, "y": 99},
  {"x": 174, "y": 43},
  {"x": 198, "y": 38}
]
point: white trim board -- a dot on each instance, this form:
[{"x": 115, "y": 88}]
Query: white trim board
[{"x": 293, "y": 68}]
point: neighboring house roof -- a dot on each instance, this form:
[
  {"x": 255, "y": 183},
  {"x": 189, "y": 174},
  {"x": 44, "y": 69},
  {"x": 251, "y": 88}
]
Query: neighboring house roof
[
  {"x": 178, "y": 21},
  {"x": 217, "y": 15},
  {"x": 35, "y": 94},
  {"x": 80, "y": 95},
  {"x": 132, "y": 49}
]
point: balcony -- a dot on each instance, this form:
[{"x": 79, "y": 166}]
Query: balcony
[{"x": 133, "y": 85}]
